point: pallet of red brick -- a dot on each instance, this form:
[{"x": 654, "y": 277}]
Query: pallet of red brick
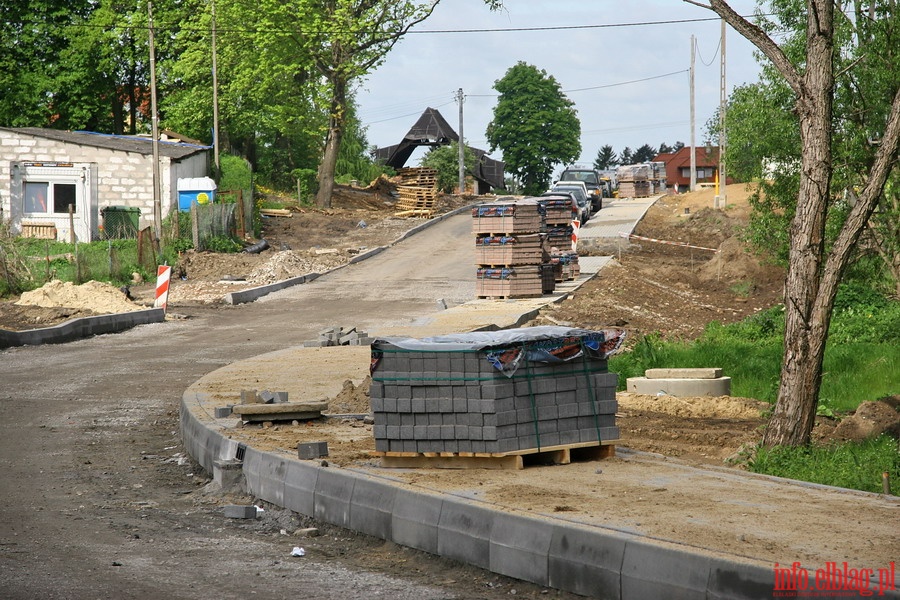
[
  {"x": 508, "y": 250},
  {"x": 507, "y": 217}
]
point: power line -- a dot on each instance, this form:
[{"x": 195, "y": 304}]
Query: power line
[
  {"x": 219, "y": 29},
  {"x": 418, "y": 112},
  {"x": 596, "y": 87}
]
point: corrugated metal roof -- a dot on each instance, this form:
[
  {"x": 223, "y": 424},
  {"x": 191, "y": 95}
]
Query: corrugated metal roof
[{"x": 122, "y": 143}]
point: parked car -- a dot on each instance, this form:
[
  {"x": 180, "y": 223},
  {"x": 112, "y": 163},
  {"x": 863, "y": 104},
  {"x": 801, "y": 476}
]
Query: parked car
[
  {"x": 579, "y": 190},
  {"x": 592, "y": 180}
]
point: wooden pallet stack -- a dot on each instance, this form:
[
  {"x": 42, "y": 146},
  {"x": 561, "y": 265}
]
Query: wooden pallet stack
[
  {"x": 508, "y": 251},
  {"x": 417, "y": 191}
]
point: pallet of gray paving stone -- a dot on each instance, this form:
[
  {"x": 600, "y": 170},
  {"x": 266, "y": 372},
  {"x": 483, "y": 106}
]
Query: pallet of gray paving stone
[{"x": 495, "y": 392}]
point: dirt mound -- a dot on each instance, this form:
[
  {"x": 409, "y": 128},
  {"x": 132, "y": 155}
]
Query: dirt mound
[
  {"x": 94, "y": 296},
  {"x": 733, "y": 263},
  {"x": 352, "y": 399},
  {"x": 706, "y": 407},
  {"x": 870, "y": 420}
]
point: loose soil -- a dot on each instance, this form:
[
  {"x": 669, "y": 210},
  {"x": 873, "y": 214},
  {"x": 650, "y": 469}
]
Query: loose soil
[
  {"x": 649, "y": 287},
  {"x": 150, "y": 492}
]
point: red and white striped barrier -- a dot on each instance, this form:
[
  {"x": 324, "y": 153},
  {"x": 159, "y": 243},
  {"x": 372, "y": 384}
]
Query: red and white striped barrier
[
  {"x": 576, "y": 225},
  {"x": 163, "y": 276},
  {"x": 646, "y": 239}
]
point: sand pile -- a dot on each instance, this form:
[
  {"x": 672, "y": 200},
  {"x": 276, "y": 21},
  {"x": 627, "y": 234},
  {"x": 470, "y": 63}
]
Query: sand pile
[
  {"x": 710, "y": 407},
  {"x": 94, "y": 296}
]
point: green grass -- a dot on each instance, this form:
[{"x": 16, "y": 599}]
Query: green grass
[
  {"x": 862, "y": 362},
  {"x": 855, "y": 465},
  {"x": 110, "y": 261}
]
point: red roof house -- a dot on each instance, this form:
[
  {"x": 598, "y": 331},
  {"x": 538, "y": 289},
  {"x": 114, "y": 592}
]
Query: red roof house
[{"x": 678, "y": 166}]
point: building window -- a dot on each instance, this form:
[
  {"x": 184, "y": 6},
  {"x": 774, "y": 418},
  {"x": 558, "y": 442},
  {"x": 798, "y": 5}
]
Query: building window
[{"x": 45, "y": 198}]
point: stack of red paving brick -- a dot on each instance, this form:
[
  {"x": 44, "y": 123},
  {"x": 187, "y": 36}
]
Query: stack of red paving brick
[
  {"x": 634, "y": 181},
  {"x": 559, "y": 212},
  {"x": 508, "y": 249}
]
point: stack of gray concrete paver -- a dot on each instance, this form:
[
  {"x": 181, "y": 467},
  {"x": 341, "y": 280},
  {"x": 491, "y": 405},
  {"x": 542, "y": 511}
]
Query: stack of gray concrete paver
[
  {"x": 340, "y": 336},
  {"x": 435, "y": 400}
]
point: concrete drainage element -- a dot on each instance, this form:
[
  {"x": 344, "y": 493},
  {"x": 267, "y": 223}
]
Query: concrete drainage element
[{"x": 680, "y": 382}]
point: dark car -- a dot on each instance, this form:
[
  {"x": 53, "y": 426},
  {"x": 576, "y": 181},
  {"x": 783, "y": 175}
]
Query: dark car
[{"x": 591, "y": 179}]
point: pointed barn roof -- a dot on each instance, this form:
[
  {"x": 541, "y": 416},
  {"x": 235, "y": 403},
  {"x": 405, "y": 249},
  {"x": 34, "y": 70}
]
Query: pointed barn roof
[{"x": 432, "y": 129}]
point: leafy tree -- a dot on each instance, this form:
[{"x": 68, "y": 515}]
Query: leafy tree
[
  {"x": 32, "y": 36},
  {"x": 626, "y": 157},
  {"x": 445, "y": 159},
  {"x": 354, "y": 159},
  {"x": 664, "y": 148},
  {"x": 645, "y": 153},
  {"x": 678, "y": 146},
  {"x": 534, "y": 125},
  {"x": 606, "y": 158},
  {"x": 826, "y": 61},
  {"x": 343, "y": 40}
]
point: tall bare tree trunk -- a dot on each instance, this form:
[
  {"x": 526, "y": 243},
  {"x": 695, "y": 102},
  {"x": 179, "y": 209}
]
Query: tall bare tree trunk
[
  {"x": 332, "y": 143},
  {"x": 813, "y": 276},
  {"x": 806, "y": 328}
]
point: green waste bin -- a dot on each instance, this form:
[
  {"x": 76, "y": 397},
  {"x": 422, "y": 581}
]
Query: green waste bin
[{"x": 120, "y": 222}]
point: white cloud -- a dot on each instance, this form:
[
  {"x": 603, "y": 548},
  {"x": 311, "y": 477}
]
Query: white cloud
[{"x": 426, "y": 69}]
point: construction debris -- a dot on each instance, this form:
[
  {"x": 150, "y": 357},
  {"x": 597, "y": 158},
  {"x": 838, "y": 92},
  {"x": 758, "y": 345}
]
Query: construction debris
[{"x": 339, "y": 336}]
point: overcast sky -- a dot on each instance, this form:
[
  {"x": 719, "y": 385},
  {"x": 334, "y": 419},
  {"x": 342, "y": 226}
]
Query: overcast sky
[{"x": 426, "y": 69}]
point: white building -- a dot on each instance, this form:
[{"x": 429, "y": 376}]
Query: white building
[{"x": 43, "y": 171}]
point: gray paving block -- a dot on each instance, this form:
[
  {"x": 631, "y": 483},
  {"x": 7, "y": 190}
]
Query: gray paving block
[
  {"x": 586, "y": 561},
  {"x": 308, "y": 450},
  {"x": 300, "y": 486},
  {"x": 734, "y": 579},
  {"x": 371, "y": 508},
  {"x": 464, "y": 532},
  {"x": 264, "y": 475},
  {"x": 238, "y": 511},
  {"x": 334, "y": 489},
  {"x": 520, "y": 546},
  {"x": 676, "y": 573}
]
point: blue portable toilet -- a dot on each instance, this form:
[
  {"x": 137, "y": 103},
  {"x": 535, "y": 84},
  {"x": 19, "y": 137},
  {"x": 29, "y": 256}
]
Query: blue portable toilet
[{"x": 199, "y": 190}]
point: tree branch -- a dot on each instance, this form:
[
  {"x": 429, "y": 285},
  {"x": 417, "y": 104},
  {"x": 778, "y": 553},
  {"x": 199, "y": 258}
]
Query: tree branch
[
  {"x": 757, "y": 37},
  {"x": 868, "y": 199}
]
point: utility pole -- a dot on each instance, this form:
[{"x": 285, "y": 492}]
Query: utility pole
[
  {"x": 154, "y": 129},
  {"x": 722, "y": 198},
  {"x": 693, "y": 140},
  {"x": 462, "y": 145},
  {"x": 215, "y": 94}
]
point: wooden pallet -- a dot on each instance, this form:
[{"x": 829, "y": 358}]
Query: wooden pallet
[
  {"x": 553, "y": 455},
  {"x": 513, "y": 297}
]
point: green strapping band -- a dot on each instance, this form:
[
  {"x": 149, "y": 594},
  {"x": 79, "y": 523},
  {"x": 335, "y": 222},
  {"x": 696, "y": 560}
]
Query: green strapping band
[
  {"x": 590, "y": 388},
  {"x": 537, "y": 433}
]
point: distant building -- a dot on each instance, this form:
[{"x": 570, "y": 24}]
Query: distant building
[
  {"x": 43, "y": 171},
  {"x": 432, "y": 129},
  {"x": 678, "y": 166}
]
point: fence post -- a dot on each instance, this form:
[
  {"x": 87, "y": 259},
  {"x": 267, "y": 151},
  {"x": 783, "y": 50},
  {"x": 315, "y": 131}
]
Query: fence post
[{"x": 195, "y": 226}]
